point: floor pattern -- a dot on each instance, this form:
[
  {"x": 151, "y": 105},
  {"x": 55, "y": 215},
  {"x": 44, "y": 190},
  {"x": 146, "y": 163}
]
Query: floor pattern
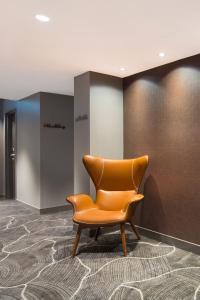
[{"x": 35, "y": 262}]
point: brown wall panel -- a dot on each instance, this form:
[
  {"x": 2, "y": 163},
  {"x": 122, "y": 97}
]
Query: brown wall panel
[{"x": 162, "y": 119}]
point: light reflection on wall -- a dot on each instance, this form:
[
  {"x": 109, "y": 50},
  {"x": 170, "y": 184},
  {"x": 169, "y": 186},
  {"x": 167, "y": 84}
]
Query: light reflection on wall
[{"x": 28, "y": 151}]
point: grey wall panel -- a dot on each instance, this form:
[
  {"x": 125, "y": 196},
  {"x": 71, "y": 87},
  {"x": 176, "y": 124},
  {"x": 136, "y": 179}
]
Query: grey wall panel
[
  {"x": 81, "y": 131},
  {"x": 161, "y": 119},
  {"x": 106, "y": 117},
  {"x": 44, "y": 164},
  {"x": 57, "y": 149},
  {"x": 28, "y": 151},
  {"x": 100, "y": 98}
]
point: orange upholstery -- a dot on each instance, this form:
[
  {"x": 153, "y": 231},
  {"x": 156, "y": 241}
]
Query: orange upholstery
[
  {"x": 117, "y": 183},
  {"x": 81, "y": 202},
  {"x": 116, "y": 200},
  {"x": 116, "y": 175},
  {"x": 99, "y": 217}
]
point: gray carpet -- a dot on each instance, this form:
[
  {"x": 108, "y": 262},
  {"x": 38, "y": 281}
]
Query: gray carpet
[{"x": 35, "y": 262}]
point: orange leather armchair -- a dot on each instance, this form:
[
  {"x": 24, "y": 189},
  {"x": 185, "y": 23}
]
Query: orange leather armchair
[{"x": 117, "y": 183}]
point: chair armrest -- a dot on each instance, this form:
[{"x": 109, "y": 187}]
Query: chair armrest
[
  {"x": 81, "y": 202},
  {"x": 132, "y": 203},
  {"x": 136, "y": 198}
]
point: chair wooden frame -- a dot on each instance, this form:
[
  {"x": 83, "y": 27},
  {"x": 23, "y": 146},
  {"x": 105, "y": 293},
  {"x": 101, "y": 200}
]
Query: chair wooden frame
[{"x": 98, "y": 226}]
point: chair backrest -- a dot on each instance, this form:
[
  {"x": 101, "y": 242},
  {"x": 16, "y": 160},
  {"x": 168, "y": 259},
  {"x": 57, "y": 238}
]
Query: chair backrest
[{"x": 116, "y": 175}]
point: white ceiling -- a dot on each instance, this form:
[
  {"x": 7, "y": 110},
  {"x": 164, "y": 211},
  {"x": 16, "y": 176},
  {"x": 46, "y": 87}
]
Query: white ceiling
[{"x": 83, "y": 35}]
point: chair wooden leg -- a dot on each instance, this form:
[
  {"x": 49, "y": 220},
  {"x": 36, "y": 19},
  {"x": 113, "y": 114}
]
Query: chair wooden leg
[
  {"x": 78, "y": 234},
  {"x": 97, "y": 233},
  {"x": 123, "y": 237},
  {"x": 135, "y": 230}
]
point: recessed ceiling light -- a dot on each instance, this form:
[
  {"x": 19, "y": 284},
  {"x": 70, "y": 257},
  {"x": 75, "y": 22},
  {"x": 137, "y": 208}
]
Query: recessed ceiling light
[
  {"x": 122, "y": 69},
  {"x": 162, "y": 54},
  {"x": 42, "y": 18}
]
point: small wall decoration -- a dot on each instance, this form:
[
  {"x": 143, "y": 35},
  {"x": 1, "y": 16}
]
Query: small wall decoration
[
  {"x": 55, "y": 125},
  {"x": 81, "y": 118}
]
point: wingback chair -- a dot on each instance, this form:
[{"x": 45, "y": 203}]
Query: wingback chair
[{"x": 117, "y": 183}]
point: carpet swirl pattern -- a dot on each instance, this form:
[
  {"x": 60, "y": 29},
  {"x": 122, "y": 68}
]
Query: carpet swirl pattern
[{"x": 35, "y": 262}]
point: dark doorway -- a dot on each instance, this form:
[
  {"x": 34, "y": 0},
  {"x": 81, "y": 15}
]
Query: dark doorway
[{"x": 10, "y": 139}]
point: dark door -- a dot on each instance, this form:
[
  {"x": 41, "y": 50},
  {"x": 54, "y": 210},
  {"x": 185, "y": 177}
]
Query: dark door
[{"x": 10, "y": 136}]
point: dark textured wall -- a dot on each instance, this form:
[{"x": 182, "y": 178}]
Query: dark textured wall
[{"x": 162, "y": 119}]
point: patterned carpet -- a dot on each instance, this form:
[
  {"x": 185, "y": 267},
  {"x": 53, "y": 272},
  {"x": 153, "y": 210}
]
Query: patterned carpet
[{"x": 35, "y": 262}]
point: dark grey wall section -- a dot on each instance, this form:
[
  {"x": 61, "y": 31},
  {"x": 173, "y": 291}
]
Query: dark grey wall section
[
  {"x": 28, "y": 150},
  {"x": 7, "y": 105},
  {"x": 1, "y": 149},
  {"x": 161, "y": 119},
  {"x": 56, "y": 149}
]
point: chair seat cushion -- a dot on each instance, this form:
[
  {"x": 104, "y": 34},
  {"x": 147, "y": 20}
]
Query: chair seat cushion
[{"x": 98, "y": 216}]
